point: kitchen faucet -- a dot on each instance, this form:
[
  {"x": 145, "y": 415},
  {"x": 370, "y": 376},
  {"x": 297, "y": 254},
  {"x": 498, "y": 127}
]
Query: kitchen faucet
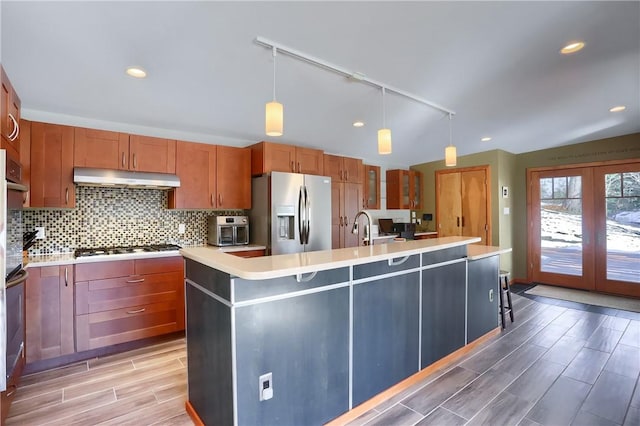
[{"x": 354, "y": 229}]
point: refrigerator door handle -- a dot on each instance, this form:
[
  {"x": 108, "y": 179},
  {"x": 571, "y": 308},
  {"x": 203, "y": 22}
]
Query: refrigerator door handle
[
  {"x": 307, "y": 204},
  {"x": 300, "y": 218}
]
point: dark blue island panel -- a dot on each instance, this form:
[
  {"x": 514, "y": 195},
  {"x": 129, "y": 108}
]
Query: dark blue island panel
[
  {"x": 386, "y": 323},
  {"x": 482, "y": 310}
]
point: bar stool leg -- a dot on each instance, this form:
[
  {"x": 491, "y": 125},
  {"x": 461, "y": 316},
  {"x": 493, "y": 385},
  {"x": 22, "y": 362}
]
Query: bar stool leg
[
  {"x": 506, "y": 282},
  {"x": 501, "y": 303}
]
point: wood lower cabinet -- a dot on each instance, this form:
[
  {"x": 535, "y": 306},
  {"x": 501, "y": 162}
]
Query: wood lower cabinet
[
  {"x": 49, "y": 311},
  {"x": 404, "y": 189},
  {"x": 345, "y": 204},
  {"x": 248, "y": 253},
  {"x": 463, "y": 203},
  {"x": 100, "y": 149},
  {"x": 9, "y": 118},
  {"x": 276, "y": 157},
  {"x": 343, "y": 169},
  {"x": 52, "y": 166},
  {"x": 128, "y": 300}
]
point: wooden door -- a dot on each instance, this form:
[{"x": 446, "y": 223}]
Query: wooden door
[
  {"x": 337, "y": 219},
  {"x": 353, "y": 170},
  {"x": 49, "y": 312},
  {"x": 449, "y": 204},
  {"x": 352, "y": 193},
  {"x": 147, "y": 154},
  {"x": 278, "y": 157},
  {"x": 371, "y": 187},
  {"x": 309, "y": 161},
  {"x": 196, "y": 168},
  {"x": 333, "y": 167},
  {"x": 474, "y": 221},
  {"x": 52, "y": 166},
  {"x": 233, "y": 177},
  {"x": 100, "y": 149}
]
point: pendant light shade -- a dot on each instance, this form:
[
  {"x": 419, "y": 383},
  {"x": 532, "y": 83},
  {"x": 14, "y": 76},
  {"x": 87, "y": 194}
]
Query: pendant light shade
[
  {"x": 384, "y": 134},
  {"x": 274, "y": 111},
  {"x": 450, "y": 154},
  {"x": 384, "y": 141}
]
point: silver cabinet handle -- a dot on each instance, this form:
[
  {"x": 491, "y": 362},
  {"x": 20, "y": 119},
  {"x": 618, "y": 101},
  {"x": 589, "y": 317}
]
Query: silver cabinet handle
[
  {"x": 135, "y": 162},
  {"x": 66, "y": 196},
  {"x": 137, "y": 311},
  {"x": 123, "y": 160},
  {"x": 491, "y": 295},
  {"x": 16, "y": 129},
  {"x": 213, "y": 201},
  {"x": 306, "y": 279},
  {"x": 393, "y": 262},
  {"x": 219, "y": 200},
  {"x": 66, "y": 277},
  {"x": 136, "y": 281}
]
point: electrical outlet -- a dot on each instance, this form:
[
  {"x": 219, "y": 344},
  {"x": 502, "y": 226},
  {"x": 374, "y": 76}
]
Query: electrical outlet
[
  {"x": 181, "y": 228},
  {"x": 40, "y": 234},
  {"x": 265, "y": 383}
]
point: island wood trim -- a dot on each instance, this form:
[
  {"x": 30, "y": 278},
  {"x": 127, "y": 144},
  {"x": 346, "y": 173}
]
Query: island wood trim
[
  {"x": 192, "y": 413},
  {"x": 410, "y": 381}
]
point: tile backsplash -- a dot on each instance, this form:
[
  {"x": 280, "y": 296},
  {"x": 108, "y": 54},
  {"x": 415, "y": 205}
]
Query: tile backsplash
[{"x": 117, "y": 217}]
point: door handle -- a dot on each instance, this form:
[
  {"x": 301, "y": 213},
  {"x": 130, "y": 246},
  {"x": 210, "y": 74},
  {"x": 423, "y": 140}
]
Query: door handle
[
  {"x": 135, "y": 281},
  {"x": 66, "y": 196},
  {"x": 306, "y": 279},
  {"x": 293, "y": 167},
  {"x": 135, "y": 162},
  {"x": 123, "y": 160},
  {"x": 66, "y": 277},
  {"x": 300, "y": 220},
  {"x": 137, "y": 311},
  {"x": 463, "y": 221},
  {"x": 393, "y": 262},
  {"x": 458, "y": 221},
  {"x": 491, "y": 295},
  {"x": 299, "y": 167},
  {"x": 346, "y": 221},
  {"x": 16, "y": 129}
]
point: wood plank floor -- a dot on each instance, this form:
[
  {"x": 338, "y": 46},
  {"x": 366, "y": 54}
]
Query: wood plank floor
[{"x": 555, "y": 365}]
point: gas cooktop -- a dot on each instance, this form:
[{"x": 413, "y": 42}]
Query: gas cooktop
[{"x": 103, "y": 251}]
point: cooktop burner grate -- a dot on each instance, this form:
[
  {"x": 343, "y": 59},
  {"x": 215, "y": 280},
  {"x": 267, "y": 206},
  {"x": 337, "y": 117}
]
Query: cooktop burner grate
[{"x": 102, "y": 251}]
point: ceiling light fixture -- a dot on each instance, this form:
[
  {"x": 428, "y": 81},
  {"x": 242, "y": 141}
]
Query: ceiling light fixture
[
  {"x": 136, "y": 72},
  {"x": 358, "y": 124},
  {"x": 617, "y": 108},
  {"x": 450, "y": 155},
  {"x": 486, "y": 139},
  {"x": 384, "y": 134},
  {"x": 572, "y": 47},
  {"x": 354, "y": 76},
  {"x": 274, "y": 115}
]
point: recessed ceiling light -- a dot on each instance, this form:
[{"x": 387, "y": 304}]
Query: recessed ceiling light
[
  {"x": 572, "y": 47},
  {"x": 358, "y": 123},
  {"x": 136, "y": 72},
  {"x": 618, "y": 108},
  {"x": 486, "y": 139}
]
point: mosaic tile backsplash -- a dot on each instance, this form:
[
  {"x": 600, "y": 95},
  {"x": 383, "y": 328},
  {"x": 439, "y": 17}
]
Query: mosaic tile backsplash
[{"x": 117, "y": 217}]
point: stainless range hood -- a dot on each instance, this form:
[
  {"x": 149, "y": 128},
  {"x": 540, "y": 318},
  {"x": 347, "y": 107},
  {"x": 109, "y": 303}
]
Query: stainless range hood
[{"x": 124, "y": 179}]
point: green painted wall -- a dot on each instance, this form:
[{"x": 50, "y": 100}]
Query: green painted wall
[{"x": 510, "y": 230}]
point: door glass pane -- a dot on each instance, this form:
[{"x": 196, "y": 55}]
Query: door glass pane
[
  {"x": 623, "y": 226},
  {"x": 372, "y": 188},
  {"x": 405, "y": 189},
  {"x": 561, "y": 225}
]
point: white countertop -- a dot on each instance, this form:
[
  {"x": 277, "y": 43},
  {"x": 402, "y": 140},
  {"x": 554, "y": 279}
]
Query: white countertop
[
  {"x": 266, "y": 267},
  {"x": 69, "y": 259},
  {"x": 476, "y": 252}
]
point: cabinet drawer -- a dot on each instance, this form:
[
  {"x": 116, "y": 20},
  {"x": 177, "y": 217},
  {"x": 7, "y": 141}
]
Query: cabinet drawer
[
  {"x": 383, "y": 267},
  {"x": 158, "y": 265},
  {"x": 124, "y": 292},
  {"x": 123, "y": 325},
  {"x": 102, "y": 270},
  {"x": 439, "y": 256},
  {"x": 247, "y": 253}
]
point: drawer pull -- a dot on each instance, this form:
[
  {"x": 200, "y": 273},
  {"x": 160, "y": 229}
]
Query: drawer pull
[
  {"x": 306, "y": 279},
  {"x": 393, "y": 262},
  {"x": 136, "y": 281},
  {"x": 137, "y": 311}
]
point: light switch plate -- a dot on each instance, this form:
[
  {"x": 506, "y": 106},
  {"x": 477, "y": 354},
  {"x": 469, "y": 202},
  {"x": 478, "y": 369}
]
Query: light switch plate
[
  {"x": 181, "y": 228},
  {"x": 40, "y": 234}
]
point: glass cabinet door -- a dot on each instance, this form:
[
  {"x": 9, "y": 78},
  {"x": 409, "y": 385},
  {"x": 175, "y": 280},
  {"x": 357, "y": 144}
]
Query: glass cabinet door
[
  {"x": 406, "y": 192},
  {"x": 416, "y": 181},
  {"x": 372, "y": 187}
]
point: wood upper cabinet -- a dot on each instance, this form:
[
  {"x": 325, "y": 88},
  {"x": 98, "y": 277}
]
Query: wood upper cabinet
[
  {"x": 49, "y": 312},
  {"x": 345, "y": 204},
  {"x": 233, "y": 177},
  {"x": 51, "y": 166},
  {"x": 100, "y": 149},
  {"x": 371, "y": 187},
  {"x": 25, "y": 159},
  {"x": 196, "y": 168},
  {"x": 343, "y": 169},
  {"x": 276, "y": 157},
  {"x": 404, "y": 189},
  {"x": 147, "y": 154},
  {"x": 9, "y": 118}
]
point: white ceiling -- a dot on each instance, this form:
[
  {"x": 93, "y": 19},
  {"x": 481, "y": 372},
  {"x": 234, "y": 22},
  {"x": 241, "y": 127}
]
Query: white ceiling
[{"x": 496, "y": 64}]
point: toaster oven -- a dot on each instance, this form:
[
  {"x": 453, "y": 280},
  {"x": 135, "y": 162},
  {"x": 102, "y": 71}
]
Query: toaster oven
[{"x": 227, "y": 230}]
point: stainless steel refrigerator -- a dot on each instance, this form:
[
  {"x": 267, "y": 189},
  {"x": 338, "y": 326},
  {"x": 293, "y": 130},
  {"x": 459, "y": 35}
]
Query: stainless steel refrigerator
[{"x": 291, "y": 212}]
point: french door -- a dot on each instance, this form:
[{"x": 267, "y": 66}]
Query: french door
[{"x": 585, "y": 227}]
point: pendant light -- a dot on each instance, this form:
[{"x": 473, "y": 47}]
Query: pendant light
[
  {"x": 450, "y": 159},
  {"x": 384, "y": 134},
  {"x": 274, "y": 116}
]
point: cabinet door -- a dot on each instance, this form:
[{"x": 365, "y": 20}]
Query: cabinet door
[
  {"x": 416, "y": 189},
  {"x": 352, "y": 196},
  {"x": 25, "y": 159},
  {"x": 474, "y": 200},
  {"x": 279, "y": 157},
  {"x": 443, "y": 311},
  {"x": 52, "y": 166},
  {"x": 333, "y": 167},
  {"x": 233, "y": 177},
  {"x": 10, "y": 118},
  {"x": 309, "y": 161},
  {"x": 49, "y": 312},
  {"x": 398, "y": 189},
  {"x": 147, "y": 154},
  {"x": 100, "y": 149},
  {"x": 483, "y": 297},
  {"x": 352, "y": 170},
  {"x": 449, "y": 205},
  {"x": 196, "y": 168},
  {"x": 371, "y": 187}
]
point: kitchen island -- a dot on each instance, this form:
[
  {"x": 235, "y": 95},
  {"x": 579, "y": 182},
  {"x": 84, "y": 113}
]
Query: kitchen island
[{"x": 303, "y": 338}]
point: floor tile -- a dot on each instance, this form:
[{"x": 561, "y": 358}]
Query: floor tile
[
  {"x": 631, "y": 336},
  {"x": 584, "y": 328},
  {"x": 363, "y": 418},
  {"x": 438, "y": 391},
  {"x": 635, "y": 400},
  {"x": 396, "y": 415},
  {"x": 633, "y": 417},
  {"x": 604, "y": 339},
  {"x": 405, "y": 393},
  {"x": 534, "y": 382},
  {"x": 528, "y": 422},
  {"x": 587, "y": 365},
  {"x": 548, "y": 336},
  {"x": 615, "y": 323},
  {"x": 634, "y": 316},
  {"x": 564, "y": 350},
  {"x": 519, "y": 360},
  {"x": 561, "y": 402},
  {"x": 473, "y": 397},
  {"x": 441, "y": 416},
  {"x": 587, "y": 419},
  {"x": 610, "y": 397},
  {"x": 505, "y": 409},
  {"x": 625, "y": 360}
]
